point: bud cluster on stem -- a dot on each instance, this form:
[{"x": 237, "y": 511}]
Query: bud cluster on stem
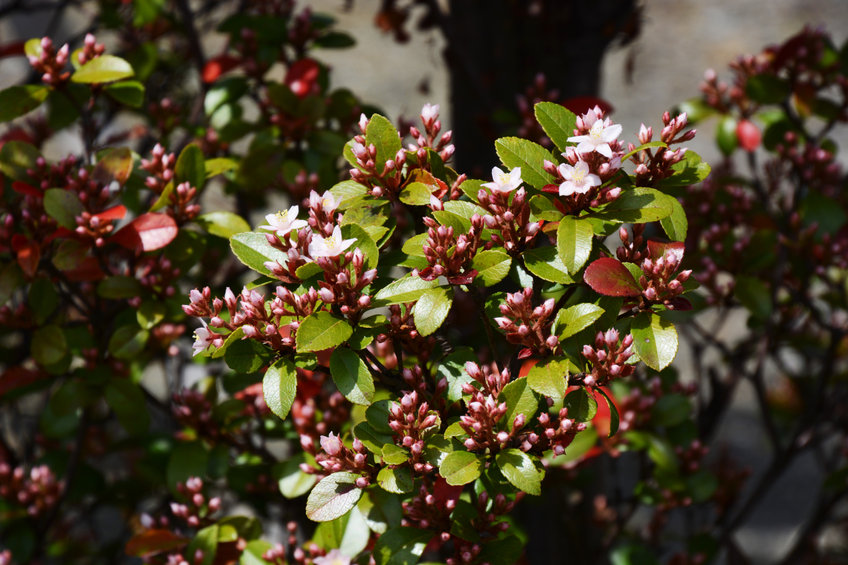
[
  {"x": 608, "y": 358},
  {"x": 449, "y": 255},
  {"x": 528, "y": 325}
]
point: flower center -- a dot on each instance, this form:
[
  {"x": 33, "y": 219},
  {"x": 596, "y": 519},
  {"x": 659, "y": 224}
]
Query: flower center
[{"x": 330, "y": 242}]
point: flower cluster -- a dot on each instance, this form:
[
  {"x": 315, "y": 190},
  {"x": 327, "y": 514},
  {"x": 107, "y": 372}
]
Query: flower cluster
[
  {"x": 528, "y": 325},
  {"x": 411, "y": 420},
  {"x": 508, "y": 211},
  {"x": 450, "y": 255},
  {"x": 37, "y": 491},
  {"x": 608, "y": 358}
]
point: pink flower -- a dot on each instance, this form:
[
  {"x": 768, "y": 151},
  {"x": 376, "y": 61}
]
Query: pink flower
[
  {"x": 203, "y": 338},
  {"x": 577, "y": 179},
  {"x": 429, "y": 112},
  {"x": 327, "y": 201},
  {"x": 334, "y": 557},
  {"x": 601, "y": 133},
  {"x": 331, "y": 444},
  {"x": 282, "y": 223},
  {"x": 331, "y": 246},
  {"x": 504, "y": 181}
]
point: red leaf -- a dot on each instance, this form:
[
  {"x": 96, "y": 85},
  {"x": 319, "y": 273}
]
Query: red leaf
[
  {"x": 26, "y": 189},
  {"x": 148, "y": 232},
  {"x": 219, "y": 65},
  {"x": 679, "y": 303},
  {"x": 28, "y": 254},
  {"x": 658, "y": 249},
  {"x": 114, "y": 213},
  {"x": 11, "y": 49},
  {"x": 749, "y": 135},
  {"x": 87, "y": 271},
  {"x": 443, "y": 492},
  {"x": 582, "y": 104},
  {"x": 17, "y": 134},
  {"x": 609, "y": 277},
  {"x": 17, "y": 377},
  {"x": 301, "y": 77},
  {"x": 152, "y": 542}
]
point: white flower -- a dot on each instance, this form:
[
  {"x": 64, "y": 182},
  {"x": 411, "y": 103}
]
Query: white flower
[
  {"x": 331, "y": 246},
  {"x": 503, "y": 181},
  {"x": 327, "y": 201},
  {"x": 601, "y": 133},
  {"x": 203, "y": 338},
  {"x": 284, "y": 222},
  {"x": 577, "y": 179},
  {"x": 429, "y": 112},
  {"x": 335, "y": 557}
]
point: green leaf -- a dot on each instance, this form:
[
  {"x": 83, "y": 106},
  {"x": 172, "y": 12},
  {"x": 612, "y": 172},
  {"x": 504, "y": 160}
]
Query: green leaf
[
  {"x": 543, "y": 208},
  {"x": 293, "y": 482},
  {"x": 394, "y": 454},
  {"x": 223, "y": 224},
  {"x": 675, "y": 225},
  {"x": 205, "y": 541},
  {"x": 654, "y": 339},
  {"x": 670, "y": 410},
  {"x": 20, "y": 100},
  {"x": 726, "y": 137},
  {"x": 105, "y": 68},
  {"x": 414, "y": 246},
  {"x": 352, "y": 377},
  {"x": 767, "y": 89},
  {"x": 190, "y": 167},
  {"x": 279, "y": 386},
  {"x": 320, "y": 331},
  {"x": 581, "y": 406},
  {"x": 364, "y": 243},
  {"x": 415, "y": 194},
  {"x": 253, "y": 250},
  {"x": 754, "y": 294},
  {"x": 520, "y": 470},
  {"x": 245, "y": 356},
  {"x": 48, "y": 345},
  {"x": 63, "y": 206},
  {"x": 16, "y": 158},
  {"x": 544, "y": 262},
  {"x": 401, "y": 546},
  {"x": 42, "y": 299},
  {"x": 576, "y": 318},
  {"x": 127, "y": 92},
  {"x": 333, "y": 496},
  {"x": 574, "y": 242},
  {"x": 371, "y": 438},
  {"x": 613, "y": 410},
  {"x": 119, "y": 287},
  {"x": 348, "y": 533},
  {"x": 520, "y": 399},
  {"x": 431, "y": 309},
  {"x": 642, "y": 147},
  {"x": 127, "y": 400},
  {"x": 383, "y": 135},
  {"x": 517, "y": 152},
  {"x": 397, "y": 480},
  {"x": 550, "y": 377},
  {"x": 557, "y": 121},
  {"x": 637, "y": 206},
  {"x": 452, "y": 368},
  {"x": 128, "y": 341},
  {"x": 219, "y": 166},
  {"x": 492, "y": 266},
  {"x": 188, "y": 459},
  {"x": 403, "y": 290},
  {"x": 461, "y": 467}
]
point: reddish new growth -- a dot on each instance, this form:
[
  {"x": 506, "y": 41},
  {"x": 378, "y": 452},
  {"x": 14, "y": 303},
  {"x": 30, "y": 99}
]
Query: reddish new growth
[
  {"x": 527, "y": 325},
  {"x": 50, "y": 63},
  {"x": 411, "y": 420},
  {"x": 510, "y": 218},
  {"x": 608, "y": 358},
  {"x": 37, "y": 491},
  {"x": 402, "y": 331},
  {"x": 655, "y": 164},
  {"x": 336, "y": 457},
  {"x": 448, "y": 255},
  {"x": 660, "y": 284}
]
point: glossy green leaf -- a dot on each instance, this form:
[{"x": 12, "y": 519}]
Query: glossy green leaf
[
  {"x": 415, "y": 194},
  {"x": 128, "y": 341},
  {"x": 105, "y": 68},
  {"x": 655, "y": 340},
  {"x": 675, "y": 225},
  {"x": 452, "y": 368},
  {"x": 223, "y": 224},
  {"x": 352, "y": 377},
  {"x": 543, "y": 208},
  {"x": 520, "y": 470},
  {"x": 245, "y": 356},
  {"x": 517, "y": 152},
  {"x": 544, "y": 262},
  {"x": 394, "y": 454},
  {"x": 550, "y": 377},
  {"x": 21, "y": 99},
  {"x": 401, "y": 546},
  {"x": 581, "y": 405},
  {"x": 574, "y": 242},
  {"x": 431, "y": 309},
  {"x": 279, "y": 386},
  {"x": 406, "y": 289},
  {"x": 42, "y": 299},
  {"x": 333, "y": 496},
  {"x": 384, "y": 136},
  {"x": 461, "y": 467},
  {"x": 637, "y": 206},
  {"x": 492, "y": 266},
  {"x": 767, "y": 89},
  {"x": 520, "y": 399},
  {"x": 557, "y": 121},
  {"x": 128, "y": 92},
  {"x": 190, "y": 167},
  {"x": 63, "y": 206},
  {"x": 320, "y": 331},
  {"x": 395, "y": 479},
  {"x": 293, "y": 482},
  {"x": 253, "y": 250},
  {"x": 364, "y": 243},
  {"x": 576, "y": 318}
]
